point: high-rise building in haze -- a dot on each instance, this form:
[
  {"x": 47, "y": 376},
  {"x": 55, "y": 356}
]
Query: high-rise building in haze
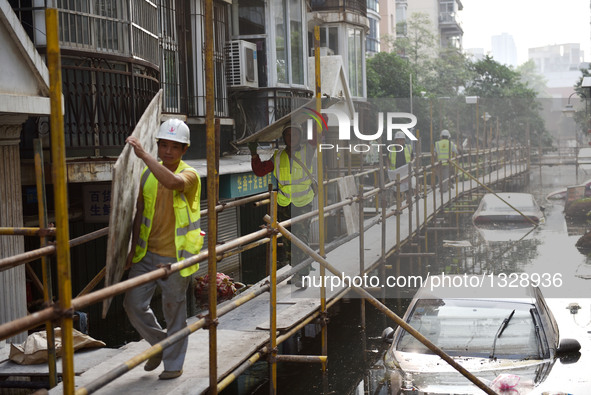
[
  {"x": 503, "y": 49},
  {"x": 560, "y": 65}
]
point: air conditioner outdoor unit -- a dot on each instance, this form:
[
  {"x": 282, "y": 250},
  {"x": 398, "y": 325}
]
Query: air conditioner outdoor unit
[{"x": 241, "y": 64}]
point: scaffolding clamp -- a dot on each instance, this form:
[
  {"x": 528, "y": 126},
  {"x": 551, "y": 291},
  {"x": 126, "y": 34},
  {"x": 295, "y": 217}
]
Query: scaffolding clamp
[
  {"x": 323, "y": 318},
  {"x": 272, "y": 355},
  {"x": 63, "y": 313},
  {"x": 209, "y": 323},
  {"x": 166, "y": 267},
  {"x": 270, "y": 230}
]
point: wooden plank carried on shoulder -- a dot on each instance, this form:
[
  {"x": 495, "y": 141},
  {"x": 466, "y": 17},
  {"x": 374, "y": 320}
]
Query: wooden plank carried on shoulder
[{"x": 124, "y": 192}]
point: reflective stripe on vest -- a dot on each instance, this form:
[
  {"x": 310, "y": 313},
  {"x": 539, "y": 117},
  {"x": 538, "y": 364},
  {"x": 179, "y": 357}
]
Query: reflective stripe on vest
[
  {"x": 407, "y": 154},
  {"x": 187, "y": 239},
  {"x": 442, "y": 149},
  {"x": 293, "y": 181}
]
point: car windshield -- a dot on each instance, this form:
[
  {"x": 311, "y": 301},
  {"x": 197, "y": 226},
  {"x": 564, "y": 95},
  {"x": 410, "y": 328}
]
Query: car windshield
[
  {"x": 468, "y": 328},
  {"x": 519, "y": 201}
]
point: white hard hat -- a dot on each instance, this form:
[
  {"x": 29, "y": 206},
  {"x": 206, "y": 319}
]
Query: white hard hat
[
  {"x": 445, "y": 133},
  {"x": 174, "y": 130},
  {"x": 399, "y": 135}
]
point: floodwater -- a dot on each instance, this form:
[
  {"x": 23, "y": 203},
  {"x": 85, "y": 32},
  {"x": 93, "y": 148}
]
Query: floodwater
[{"x": 355, "y": 352}]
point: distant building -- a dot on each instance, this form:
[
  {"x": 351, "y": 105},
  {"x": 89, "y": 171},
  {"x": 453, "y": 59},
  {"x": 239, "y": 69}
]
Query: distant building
[
  {"x": 443, "y": 14},
  {"x": 372, "y": 45},
  {"x": 445, "y": 18},
  {"x": 475, "y": 53},
  {"x": 392, "y": 21},
  {"x": 504, "y": 50},
  {"x": 560, "y": 64}
]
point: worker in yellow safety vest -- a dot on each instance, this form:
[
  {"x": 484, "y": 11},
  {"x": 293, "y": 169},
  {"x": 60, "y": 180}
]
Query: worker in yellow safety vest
[
  {"x": 403, "y": 154},
  {"x": 444, "y": 149},
  {"x": 166, "y": 229},
  {"x": 293, "y": 167}
]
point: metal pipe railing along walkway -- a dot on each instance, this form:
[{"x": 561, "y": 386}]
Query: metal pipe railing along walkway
[{"x": 99, "y": 295}]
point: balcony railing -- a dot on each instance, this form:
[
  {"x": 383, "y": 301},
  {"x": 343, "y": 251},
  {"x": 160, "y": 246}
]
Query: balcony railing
[
  {"x": 359, "y": 6},
  {"x": 258, "y": 108}
]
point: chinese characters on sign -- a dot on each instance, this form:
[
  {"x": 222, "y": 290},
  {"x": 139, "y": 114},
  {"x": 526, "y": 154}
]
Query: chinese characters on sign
[
  {"x": 249, "y": 183},
  {"x": 97, "y": 203},
  {"x": 245, "y": 184}
]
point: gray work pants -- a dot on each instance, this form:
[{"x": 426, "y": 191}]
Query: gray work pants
[{"x": 174, "y": 306}]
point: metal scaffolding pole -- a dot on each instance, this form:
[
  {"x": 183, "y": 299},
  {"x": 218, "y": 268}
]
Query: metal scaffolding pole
[
  {"x": 413, "y": 332},
  {"x": 273, "y": 299},
  {"x": 212, "y": 178},
  {"x": 319, "y": 169},
  {"x": 45, "y": 264},
  {"x": 60, "y": 188}
]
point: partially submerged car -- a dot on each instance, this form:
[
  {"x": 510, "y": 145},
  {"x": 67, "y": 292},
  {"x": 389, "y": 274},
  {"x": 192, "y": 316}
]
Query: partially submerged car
[
  {"x": 494, "y": 210},
  {"x": 490, "y": 337}
]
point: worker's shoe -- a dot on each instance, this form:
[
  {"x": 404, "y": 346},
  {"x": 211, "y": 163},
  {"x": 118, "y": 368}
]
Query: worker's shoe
[
  {"x": 153, "y": 362},
  {"x": 170, "y": 374}
]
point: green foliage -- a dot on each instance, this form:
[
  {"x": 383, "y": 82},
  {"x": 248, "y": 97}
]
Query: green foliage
[
  {"x": 503, "y": 94},
  {"x": 441, "y": 80}
]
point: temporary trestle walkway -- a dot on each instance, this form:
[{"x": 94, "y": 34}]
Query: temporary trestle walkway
[{"x": 243, "y": 334}]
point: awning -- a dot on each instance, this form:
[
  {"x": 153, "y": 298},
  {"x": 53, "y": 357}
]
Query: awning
[{"x": 298, "y": 116}]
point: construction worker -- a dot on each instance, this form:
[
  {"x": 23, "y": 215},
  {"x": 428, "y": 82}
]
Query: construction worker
[
  {"x": 402, "y": 156},
  {"x": 296, "y": 189},
  {"x": 445, "y": 149},
  {"x": 166, "y": 229}
]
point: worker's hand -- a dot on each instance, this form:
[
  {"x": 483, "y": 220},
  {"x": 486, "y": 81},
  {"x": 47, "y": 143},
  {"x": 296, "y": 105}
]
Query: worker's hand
[
  {"x": 137, "y": 146},
  {"x": 252, "y": 146}
]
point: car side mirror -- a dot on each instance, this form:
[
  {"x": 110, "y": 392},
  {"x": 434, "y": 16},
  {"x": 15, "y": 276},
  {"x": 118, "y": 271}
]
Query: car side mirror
[
  {"x": 543, "y": 208},
  {"x": 568, "y": 346},
  {"x": 570, "y": 358},
  {"x": 388, "y": 335}
]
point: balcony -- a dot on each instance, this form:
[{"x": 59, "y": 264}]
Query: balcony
[
  {"x": 449, "y": 24},
  {"x": 256, "y": 109},
  {"x": 357, "y": 6}
]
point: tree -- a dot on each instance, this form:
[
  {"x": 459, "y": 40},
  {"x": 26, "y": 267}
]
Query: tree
[
  {"x": 504, "y": 95},
  {"x": 419, "y": 44},
  {"x": 532, "y": 79}
]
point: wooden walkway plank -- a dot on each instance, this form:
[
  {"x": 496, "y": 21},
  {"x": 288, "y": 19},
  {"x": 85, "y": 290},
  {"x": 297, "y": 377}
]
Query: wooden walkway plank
[{"x": 242, "y": 332}]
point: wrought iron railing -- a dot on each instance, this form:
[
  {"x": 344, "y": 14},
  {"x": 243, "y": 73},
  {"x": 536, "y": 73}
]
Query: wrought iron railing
[{"x": 359, "y": 6}]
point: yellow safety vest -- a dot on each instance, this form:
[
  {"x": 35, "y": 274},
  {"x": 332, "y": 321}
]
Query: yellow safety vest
[
  {"x": 407, "y": 154},
  {"x": 442, "y": 148},
  {"x": 187, "y": 238},
  {"x": 294, "y": 182}
]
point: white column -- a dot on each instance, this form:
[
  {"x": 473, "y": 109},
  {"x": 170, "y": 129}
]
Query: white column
[{"x": 13, "y": 298}]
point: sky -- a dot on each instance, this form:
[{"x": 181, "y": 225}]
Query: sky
[{"x": 532, "y": 23}]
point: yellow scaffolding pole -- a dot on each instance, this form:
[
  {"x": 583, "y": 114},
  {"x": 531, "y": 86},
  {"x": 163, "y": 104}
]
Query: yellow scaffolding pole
[
  {"x": 321, "y": 238},
  {"x": 413, "y": 332},
  {"x": 273, "y": 298},
  {"x": 212, "y": 194},
  {"x": 60, "y": 188}
]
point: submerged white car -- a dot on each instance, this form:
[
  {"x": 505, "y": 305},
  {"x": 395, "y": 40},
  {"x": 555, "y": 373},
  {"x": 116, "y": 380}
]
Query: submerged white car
[
  {"x": 489, "y": 337},
  {"x": 494, "y": 210}
]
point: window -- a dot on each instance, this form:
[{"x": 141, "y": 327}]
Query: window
[
  {"x": 373, "y": 42},
  {"x": 196, "y": 73},
  {"x": 329, "y": 38},
  {"x": 170, "y": 63},
  {"x": 355, "y": 63},
  {"x": 251, "y": 17},
  {"x": 289, "y": 41}
]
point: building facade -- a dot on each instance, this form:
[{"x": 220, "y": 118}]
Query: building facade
[
  {"x": 445, "y": 19},
  {"x": 117, "y": 54}
]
